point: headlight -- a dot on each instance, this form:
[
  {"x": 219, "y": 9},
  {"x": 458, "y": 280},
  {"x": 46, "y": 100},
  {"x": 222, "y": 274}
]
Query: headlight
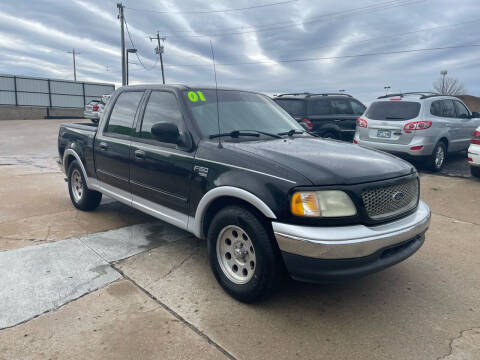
[{"x": 328, "y": 203}]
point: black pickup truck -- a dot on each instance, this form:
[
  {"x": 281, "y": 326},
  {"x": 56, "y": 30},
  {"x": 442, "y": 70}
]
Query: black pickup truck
[{"x": 234, "y": 168}]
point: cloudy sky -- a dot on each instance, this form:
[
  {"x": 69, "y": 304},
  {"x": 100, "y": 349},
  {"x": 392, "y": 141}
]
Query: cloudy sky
[{"x": 254, "y": 48}]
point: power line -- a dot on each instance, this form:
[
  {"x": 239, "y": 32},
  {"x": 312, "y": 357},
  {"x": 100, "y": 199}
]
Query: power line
[
  {"x": 213, "y": 11},
  {"x": 133, "y": 46},
  {"x": 330, "y": 57},
  {"x": 396, "y": 34},
  {"x": 287, "y": 24},
  {"x": 441, "y": 27}
]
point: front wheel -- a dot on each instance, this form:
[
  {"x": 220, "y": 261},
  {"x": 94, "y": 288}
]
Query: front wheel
[
  {"x": 242, "y": 254},
  {"x": 436, "y": 161},
  {"x": 82, "y": 198}
]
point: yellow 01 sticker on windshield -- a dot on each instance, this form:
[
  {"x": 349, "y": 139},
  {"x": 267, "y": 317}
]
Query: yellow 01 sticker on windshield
[{"x": 194, "y": 96}]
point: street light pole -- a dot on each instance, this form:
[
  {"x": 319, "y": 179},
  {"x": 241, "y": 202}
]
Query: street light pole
[
  {"x": 133, "y": 51},
  {"x": 386, "y": 89},
  {"x": 443, "y": 73}
]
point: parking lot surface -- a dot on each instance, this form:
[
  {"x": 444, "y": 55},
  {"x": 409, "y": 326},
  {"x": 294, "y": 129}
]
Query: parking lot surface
[{"x": 115, "y": 283}]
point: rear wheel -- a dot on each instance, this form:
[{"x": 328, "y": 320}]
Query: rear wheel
[
  {"x": 436, "y": 161},
  {"x": 242, "y": 254},
  {"x": 475, "y": 170},
  {"x": 82, "y": 198},
  {"x": 331, "y": 135}
]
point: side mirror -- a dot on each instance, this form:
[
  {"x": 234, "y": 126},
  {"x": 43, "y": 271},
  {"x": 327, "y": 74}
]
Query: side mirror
[
  {"x": 475, "y": 115},
  {"x": 166, "y": 132}
]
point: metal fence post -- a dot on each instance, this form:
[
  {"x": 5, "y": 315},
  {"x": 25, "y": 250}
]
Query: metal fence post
[
  {"x": 49, "y": 94},
  {"x": 15, "y": 89},
  {"x": 84, "y": 100}
]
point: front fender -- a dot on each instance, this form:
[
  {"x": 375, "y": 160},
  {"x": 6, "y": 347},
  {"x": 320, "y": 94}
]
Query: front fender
[{"x": 196, "y": 225}]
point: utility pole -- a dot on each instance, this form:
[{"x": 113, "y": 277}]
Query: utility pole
[
  {"x": 443, "y": 73},
  {"x": 122, "y": 34},
  {"x": 74, "y": 65},
  {"x": 159, "y": 51}
]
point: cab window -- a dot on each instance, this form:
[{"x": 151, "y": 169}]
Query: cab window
[
  {"x": 123, "y": 114},
  {"x": 161, "y": 107}
]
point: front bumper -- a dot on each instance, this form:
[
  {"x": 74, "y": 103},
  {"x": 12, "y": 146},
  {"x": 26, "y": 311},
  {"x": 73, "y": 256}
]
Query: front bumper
[{"x": 334, "y": 253}]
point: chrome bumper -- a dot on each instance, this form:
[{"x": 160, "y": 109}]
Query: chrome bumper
[{"x": 344, "y": 242}]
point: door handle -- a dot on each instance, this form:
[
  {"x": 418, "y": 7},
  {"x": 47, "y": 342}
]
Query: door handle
[
  {"x": 103, "y": 146},
  {"x": 140, "y": 154}
]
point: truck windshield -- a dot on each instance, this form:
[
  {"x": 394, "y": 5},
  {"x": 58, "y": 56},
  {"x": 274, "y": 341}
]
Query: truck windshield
[
  {"x": 393, "y": 110},
  {"x": 239, "y": 111}
]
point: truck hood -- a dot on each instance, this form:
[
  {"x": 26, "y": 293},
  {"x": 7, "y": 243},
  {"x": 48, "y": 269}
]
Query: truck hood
[{"x": 327, "y": 162}]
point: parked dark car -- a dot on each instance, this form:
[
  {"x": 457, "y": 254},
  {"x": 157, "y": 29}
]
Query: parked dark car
[
  {"x": 330, "y": 115},
  {"x": 234, "y": 168}
]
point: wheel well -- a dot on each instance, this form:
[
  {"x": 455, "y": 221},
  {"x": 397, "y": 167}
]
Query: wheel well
[
  {"x": 445, "y": 141},
  {"x": 68, "y": 161},
  {"x": 222, "y": 202}
]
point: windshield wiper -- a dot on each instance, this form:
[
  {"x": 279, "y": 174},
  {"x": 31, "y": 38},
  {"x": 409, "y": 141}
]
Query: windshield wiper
[
  {"x": 291, "y": 132},
  {"x": 267, "y": 133},
  {"x": 234, "y": 134},
  {"x": 394, "y": 118},
  {"x": 237, "y": 133}
]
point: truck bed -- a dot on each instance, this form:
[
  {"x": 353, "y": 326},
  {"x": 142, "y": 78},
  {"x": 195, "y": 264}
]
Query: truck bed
[{"x": 79, "y": 137}]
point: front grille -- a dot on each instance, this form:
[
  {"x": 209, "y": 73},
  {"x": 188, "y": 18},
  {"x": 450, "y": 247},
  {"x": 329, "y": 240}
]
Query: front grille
[{"x": 385, "y": 201}]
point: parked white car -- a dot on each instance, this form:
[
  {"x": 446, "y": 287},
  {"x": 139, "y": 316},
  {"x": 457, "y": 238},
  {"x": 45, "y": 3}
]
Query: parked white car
[
  {"x": 474, "y": 153},
  {"x": 417, "y": 124}
]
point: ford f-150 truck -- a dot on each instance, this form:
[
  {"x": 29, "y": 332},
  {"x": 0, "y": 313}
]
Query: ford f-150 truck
[{"x": 234, "y": 168}]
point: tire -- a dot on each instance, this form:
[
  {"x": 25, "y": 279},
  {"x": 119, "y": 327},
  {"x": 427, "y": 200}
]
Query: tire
[
  {"x": 82, "y": 198},
  {"x": 475, "y": 170},
  {"x": 242, "y": 254},
  {"x": 436, "y": 164},
  {"x": 331, "y": 135}
]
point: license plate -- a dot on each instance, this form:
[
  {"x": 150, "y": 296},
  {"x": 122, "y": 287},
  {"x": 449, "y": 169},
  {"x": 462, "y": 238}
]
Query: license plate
[{"x": 384, "y": 133}]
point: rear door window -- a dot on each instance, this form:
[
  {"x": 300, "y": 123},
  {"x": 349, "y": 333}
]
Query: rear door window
[
  {"x": 322, "y": 107},
  {"x": 123, "y": 113},
  {"x": 393, "y": 110},
  {"x": 448, "y": 109},
  {"x": 357, "y": 108},
  {"x": 161, "y": 107},
  {"x": 462, "y": 111},
  {"x": 341, "y": 106},
  {"x": 293, "y": 107},
  {"x": 437, "y": 108}
]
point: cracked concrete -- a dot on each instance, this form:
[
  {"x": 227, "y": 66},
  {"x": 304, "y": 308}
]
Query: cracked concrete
[{"x": 464, "y": 347}]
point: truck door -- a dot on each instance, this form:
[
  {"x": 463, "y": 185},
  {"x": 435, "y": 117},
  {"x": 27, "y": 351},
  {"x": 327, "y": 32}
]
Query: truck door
[
  {"x": 112, "y": 143},
  {"x": 160, "y": 173}
]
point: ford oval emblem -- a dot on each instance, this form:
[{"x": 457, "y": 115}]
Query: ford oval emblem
[{"x": 397, "y": 196}]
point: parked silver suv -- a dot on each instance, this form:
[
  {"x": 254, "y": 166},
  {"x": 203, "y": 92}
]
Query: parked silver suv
[{"x": 417, "y": 124}]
